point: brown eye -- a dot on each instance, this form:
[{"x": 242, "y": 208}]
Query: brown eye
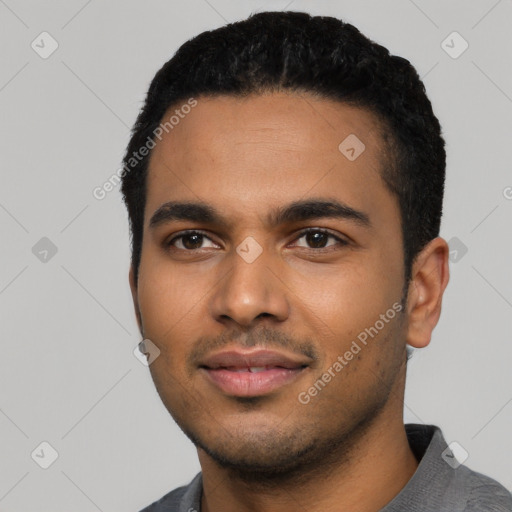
[
  {"x": 318, "y": 239},
  {"x": 189, "y": 241}
]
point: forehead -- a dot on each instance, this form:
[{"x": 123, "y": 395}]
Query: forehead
[
  {"x": 256, "y": 152},
  {"x": 294, "y": 120}
]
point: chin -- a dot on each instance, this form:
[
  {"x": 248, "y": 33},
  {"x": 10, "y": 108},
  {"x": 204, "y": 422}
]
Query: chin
[{"x": 264, "y": 454}]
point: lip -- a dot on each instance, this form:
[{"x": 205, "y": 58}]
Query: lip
[{"x": 230, "y": 371}]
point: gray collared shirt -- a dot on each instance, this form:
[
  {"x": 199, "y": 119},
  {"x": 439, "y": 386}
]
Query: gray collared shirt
[{"x": 438, "y": 485}]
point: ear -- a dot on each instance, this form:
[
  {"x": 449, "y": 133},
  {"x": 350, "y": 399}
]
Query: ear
[
  {"x": 133, "y": 288},
  {"x": 429, "y": 278}
]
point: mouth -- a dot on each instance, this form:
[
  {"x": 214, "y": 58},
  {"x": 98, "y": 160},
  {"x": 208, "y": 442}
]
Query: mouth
[{"x": 256, "y": 373}]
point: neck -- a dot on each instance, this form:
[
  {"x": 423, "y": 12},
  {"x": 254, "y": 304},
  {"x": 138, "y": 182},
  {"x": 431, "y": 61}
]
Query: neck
[{"x": 375, "y": 468}]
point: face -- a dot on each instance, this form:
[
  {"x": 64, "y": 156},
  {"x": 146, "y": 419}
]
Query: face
[{"x": 271, "y": 277}]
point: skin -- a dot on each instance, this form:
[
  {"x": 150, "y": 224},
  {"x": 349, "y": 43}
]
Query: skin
[{"x": 246, "y": 157}]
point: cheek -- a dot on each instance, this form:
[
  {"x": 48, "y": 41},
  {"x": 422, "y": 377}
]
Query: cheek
[
  {"x": 168, "y": 299},
  {"x": 337, "y": 292},
  {"x": 165, "y": 291},
  {"x": 343, "y": 302}
]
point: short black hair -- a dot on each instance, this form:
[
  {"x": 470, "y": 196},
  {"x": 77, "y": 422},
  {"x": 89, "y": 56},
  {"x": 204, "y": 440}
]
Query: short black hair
[{"x": 323, "y": 56}]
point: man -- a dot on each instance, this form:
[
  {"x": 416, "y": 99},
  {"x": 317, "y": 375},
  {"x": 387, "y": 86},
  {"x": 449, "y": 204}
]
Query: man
[{"x": 284, "y": 183}]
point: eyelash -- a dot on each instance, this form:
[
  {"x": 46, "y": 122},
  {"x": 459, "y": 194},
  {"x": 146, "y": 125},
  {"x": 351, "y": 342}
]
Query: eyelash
[{"x": 341, "y": 242}]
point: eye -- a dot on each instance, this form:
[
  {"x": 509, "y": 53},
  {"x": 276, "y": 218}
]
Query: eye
[
  {"x": 317, "y": 238},
  {"x": 189, "y": 241}
]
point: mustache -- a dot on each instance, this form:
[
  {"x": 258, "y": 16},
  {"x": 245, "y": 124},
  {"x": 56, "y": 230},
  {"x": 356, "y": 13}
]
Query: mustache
[{"x": 262, "y": 337}]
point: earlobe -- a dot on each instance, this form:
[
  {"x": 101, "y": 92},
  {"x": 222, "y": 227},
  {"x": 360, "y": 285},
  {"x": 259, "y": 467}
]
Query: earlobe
[
  {"x": 133, "y": 288},
  {"x": 430, "y": 276}
]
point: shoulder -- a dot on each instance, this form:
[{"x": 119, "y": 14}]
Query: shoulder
[
  {"x": 484, "y": 494},
  {"x": 446, "y": 486},
  {"x": 185, "y": 498},
  {"x": 168, "y": 503}
]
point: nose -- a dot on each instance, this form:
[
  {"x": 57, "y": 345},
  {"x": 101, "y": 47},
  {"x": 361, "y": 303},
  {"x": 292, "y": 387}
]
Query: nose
[{"x": 249, "y": 291}]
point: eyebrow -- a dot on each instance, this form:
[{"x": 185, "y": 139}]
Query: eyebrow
[{"x": 294, "y": 212}]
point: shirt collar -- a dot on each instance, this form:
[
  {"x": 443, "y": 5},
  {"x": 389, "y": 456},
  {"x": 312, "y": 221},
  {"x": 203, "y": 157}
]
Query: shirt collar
[{"x": 426, "y": 442}]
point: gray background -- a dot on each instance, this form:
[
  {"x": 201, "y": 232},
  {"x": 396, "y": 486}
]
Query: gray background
[{"x": 67, "y": 370}]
